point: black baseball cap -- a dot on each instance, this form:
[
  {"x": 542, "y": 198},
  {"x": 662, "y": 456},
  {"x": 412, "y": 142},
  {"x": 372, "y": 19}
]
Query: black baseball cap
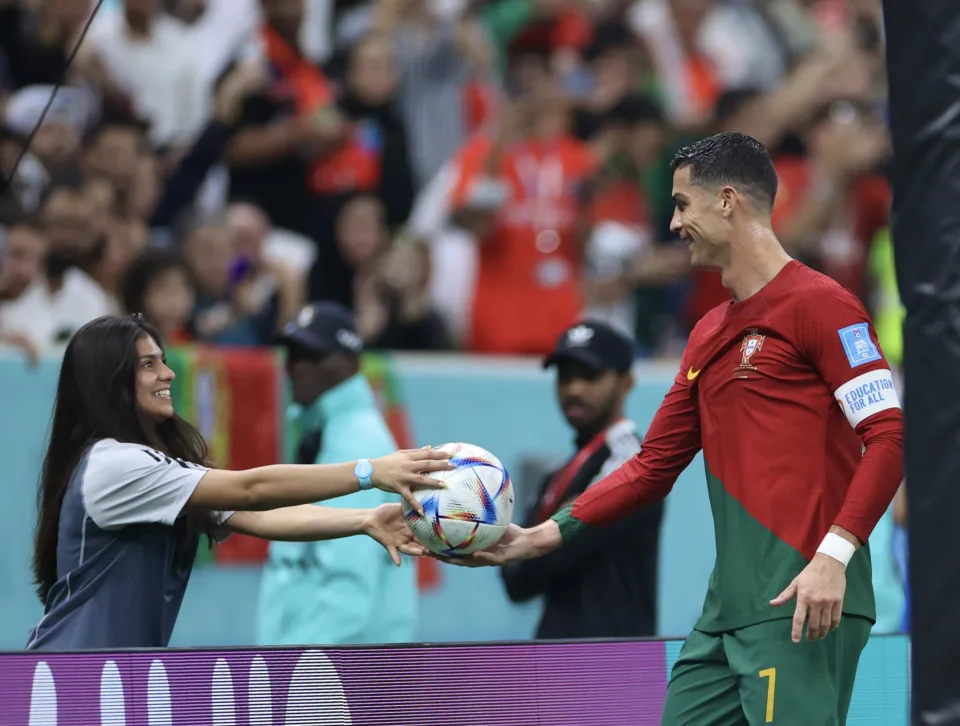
[
  {"x": 323, "y": 327},
  {"x": 596, "y": 344}
]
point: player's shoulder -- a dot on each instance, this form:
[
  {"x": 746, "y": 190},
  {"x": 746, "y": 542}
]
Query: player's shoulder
[{"x": 812, "y": 287}]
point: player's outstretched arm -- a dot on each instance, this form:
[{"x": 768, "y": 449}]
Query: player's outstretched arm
[
  {"x": 284, "y": 485},
  {"x": 672, "y": 441}
]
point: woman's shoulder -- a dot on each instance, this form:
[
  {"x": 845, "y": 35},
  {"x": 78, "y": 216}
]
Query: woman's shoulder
[{"x": 109, "y": 456}]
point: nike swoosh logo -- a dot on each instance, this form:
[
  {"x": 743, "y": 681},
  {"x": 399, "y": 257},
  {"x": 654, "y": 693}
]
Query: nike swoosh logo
[{"x": 691, "y": 374}]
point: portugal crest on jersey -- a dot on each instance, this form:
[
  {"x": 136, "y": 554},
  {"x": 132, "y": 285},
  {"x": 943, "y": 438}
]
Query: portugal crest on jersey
[{"x": 752, "y": 343}]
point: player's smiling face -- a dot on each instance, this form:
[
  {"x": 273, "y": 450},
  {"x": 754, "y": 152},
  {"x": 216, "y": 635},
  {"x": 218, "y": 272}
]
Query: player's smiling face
[
  {"x": 700, "y": 220},
  {"x": 153, "y": 381}
]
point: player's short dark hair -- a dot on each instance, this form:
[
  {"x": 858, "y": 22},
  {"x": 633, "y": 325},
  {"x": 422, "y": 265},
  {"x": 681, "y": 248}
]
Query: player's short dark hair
[
  {"x": 95, "y": 400},
  {"x": 731, "y": 158}
]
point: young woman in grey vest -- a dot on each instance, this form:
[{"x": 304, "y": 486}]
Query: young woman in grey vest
[{"x": 126, "y": 493}]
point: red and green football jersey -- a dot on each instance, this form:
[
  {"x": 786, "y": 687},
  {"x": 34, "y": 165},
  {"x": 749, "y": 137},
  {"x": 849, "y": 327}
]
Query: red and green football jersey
[{"x": 789, "y": 397}]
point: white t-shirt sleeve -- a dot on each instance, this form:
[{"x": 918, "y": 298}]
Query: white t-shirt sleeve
[
  {"x": 624, "y": 444},
  {"x": 133, "y": 484}
]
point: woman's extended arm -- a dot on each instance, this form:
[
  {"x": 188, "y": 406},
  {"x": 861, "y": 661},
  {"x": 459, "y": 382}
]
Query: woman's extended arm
[
  {"x": 285, "y": 485},
  {"x": 307, "y": 523}
]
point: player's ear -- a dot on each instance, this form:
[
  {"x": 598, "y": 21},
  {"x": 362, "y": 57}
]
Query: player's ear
[{"x": 728, "y": 198}]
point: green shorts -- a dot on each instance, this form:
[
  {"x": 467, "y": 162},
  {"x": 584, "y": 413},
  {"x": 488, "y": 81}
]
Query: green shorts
[{"x": 757, "y": 675}]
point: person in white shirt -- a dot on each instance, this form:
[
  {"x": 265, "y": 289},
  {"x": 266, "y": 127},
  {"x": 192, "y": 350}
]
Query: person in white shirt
[
  {"x": 64, "y": 297},
  {"x": 154, "y": 60}
]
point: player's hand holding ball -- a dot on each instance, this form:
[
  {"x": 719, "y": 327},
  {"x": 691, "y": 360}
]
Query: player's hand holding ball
[{"x": 408, "y": 469}]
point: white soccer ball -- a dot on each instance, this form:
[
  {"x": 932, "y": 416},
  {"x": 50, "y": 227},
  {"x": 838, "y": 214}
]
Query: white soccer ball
[{"x": 474, "y": 510}]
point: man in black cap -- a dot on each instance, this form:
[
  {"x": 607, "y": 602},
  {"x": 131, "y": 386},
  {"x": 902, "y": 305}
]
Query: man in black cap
[
  {"x": 603, "y": 584},
  {"x": 337, "y": 591}
]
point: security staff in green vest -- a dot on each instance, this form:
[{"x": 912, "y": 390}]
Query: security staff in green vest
[{"x": 338, "y": 591}]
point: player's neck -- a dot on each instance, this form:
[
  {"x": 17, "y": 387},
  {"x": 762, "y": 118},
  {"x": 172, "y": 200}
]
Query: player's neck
[{"x": 753, "y": 263}]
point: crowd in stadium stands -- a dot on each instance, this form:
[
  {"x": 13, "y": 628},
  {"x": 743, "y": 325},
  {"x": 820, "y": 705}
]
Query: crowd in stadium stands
[{"x": 463, "y": 174}]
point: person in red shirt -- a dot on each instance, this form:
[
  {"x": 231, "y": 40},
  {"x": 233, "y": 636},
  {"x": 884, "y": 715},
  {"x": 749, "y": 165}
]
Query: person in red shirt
[
  {"x": 519, "y": 191},
  {"x": 786, "y": 391}
]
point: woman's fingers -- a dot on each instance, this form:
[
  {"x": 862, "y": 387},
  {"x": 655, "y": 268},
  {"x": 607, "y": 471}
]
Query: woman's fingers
[
  {"x": 426, "y": 482},
  {"x": 411, "y": 499}
]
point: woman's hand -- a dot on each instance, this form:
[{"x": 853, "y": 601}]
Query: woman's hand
[
  {"x": 386, "y": 525},
  {"x": 405, "y": 470}
]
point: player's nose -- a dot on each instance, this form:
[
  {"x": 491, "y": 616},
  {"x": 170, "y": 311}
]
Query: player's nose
[{"x": 675, "y": 225}]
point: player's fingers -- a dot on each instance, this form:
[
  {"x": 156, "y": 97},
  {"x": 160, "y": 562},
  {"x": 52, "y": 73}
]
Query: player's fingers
[
  {"x": 488, "y": 558},
  {"x": 799, "y": 616},
  {"x": 458, "y": 561},
  {"x": 411, "y": 500},
  {"x": 414, "y": 550},
  {"x": 785, "y": 596},
  {"x": 836, "y": 615},
  {"x": 814, "y": 614}
]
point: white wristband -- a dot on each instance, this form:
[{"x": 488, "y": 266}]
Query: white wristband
[{"x": 837, "y": 547}]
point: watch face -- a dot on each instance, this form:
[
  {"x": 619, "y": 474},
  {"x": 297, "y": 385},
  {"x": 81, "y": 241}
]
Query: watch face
[{"x": 364, "y": 469}]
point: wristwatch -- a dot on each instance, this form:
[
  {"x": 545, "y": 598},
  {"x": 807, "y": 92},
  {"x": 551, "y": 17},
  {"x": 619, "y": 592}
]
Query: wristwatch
[{"x": 364, "y": 471}]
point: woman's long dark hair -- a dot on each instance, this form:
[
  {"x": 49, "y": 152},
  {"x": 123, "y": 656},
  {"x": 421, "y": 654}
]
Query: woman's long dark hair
[{"x": 96, "y": 400}]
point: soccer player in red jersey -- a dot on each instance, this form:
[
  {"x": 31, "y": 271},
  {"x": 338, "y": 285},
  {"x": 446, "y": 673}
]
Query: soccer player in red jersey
[{"x": 786, "y": 391}]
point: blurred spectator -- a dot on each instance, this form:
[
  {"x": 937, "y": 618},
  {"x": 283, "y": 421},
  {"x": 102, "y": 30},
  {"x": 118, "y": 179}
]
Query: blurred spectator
[
  {"x": 124, "y": 239},
  {"x": 368, "y": 100},
  {"x": 183, "y": 189},
  {"x": 229, "y": 311},
  {"x": 159, "y": 284},
  {"x": 389, "y": 286},
  {"x": 395, "y": 308},
  {"x": 58, "y": 137},
  {"x": 21, "y": 265},
  {"x": 273, "y": 282},
  {"x": 114, "y": 154},
  {"x": 621, "y": 252},
  {"x": 64, "y": 297},
  {"x": 614, "y": 69},
  {"x": 36, "y": 39},
  {"x": 439, "y": 59},
  {"x": 373, "y": 158},
  {"x": 701, "y": 48},
  {"x": 605, "y": 585},
  {"x": 286, "y": 130},
  {"x": 154, "y": 61},
  {"x": 517, "y": 192}
]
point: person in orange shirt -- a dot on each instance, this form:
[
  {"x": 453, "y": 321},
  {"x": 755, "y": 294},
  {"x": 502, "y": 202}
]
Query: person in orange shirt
[{"x": 518, "y": 191}]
